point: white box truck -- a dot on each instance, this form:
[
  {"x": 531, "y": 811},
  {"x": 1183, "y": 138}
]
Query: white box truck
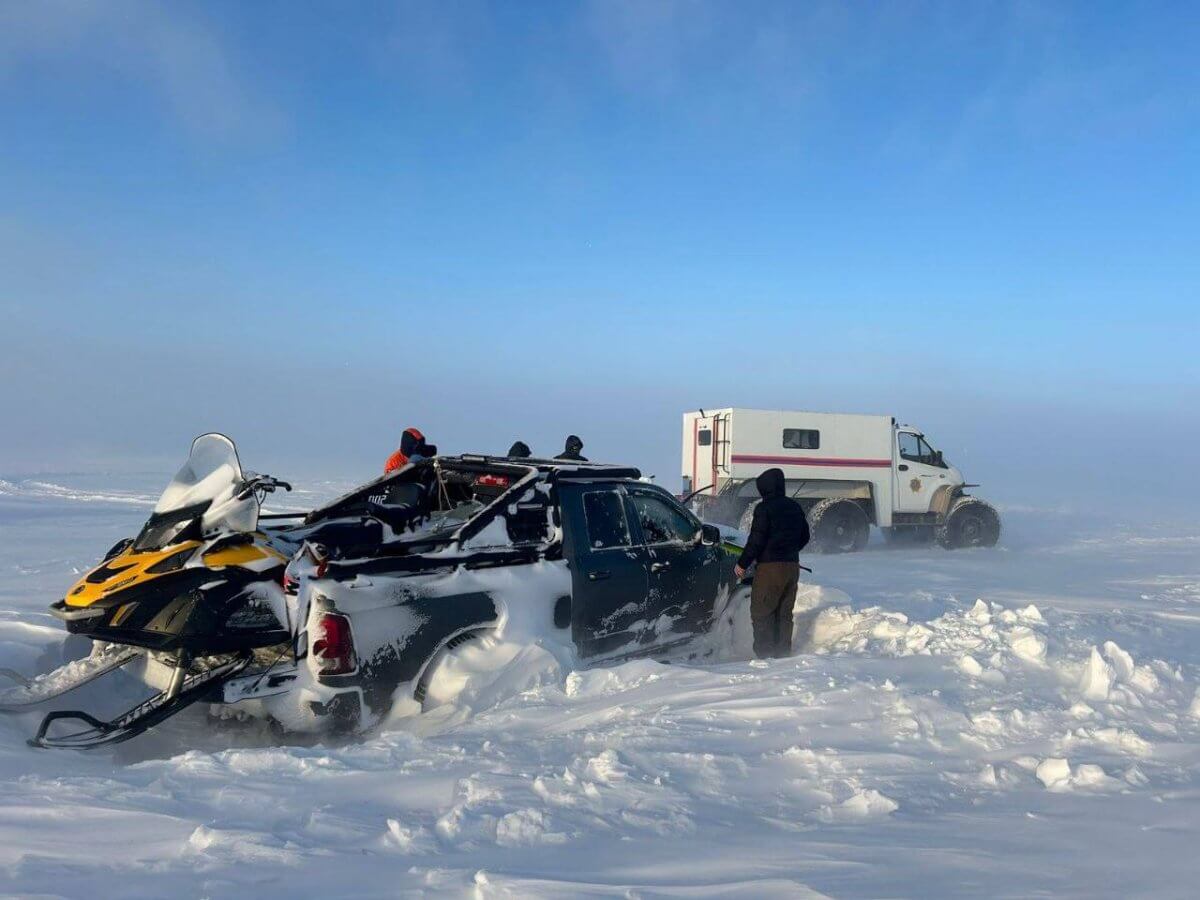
[{"x": 849, "y": 472}]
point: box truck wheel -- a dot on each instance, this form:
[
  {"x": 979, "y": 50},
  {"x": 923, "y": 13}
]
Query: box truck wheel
[
  {"x": 970, "y": 523},
  {"x": 838, "y": 526}
]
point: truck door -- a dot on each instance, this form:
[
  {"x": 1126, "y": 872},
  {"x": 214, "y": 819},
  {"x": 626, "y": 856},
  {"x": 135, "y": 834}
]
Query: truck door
[
  {"x": 609, "y": 581},
  {"x": 918, "y": 475},
  {"x": 685, "y": 574}
]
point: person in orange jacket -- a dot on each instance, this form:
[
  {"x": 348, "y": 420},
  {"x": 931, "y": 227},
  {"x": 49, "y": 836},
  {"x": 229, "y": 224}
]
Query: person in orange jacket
[{"x": 413, "y": 448}]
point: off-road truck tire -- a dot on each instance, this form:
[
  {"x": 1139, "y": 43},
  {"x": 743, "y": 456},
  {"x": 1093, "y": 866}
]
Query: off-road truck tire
[
  {"x": 969, "y": 523},
  {"x": 838, "y": 526}
]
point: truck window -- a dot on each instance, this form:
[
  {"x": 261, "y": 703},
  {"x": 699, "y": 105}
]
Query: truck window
[
  {"x": 929, "y": 455},
  {"x": 914, "y": 447},
  {"x": 704, "y": 437},
  {"x": 605, "y": 516},
  {"x": 527, "y": 523},
  {"x": 661, "y": 522},
  {"x": 801, "y": 439}
]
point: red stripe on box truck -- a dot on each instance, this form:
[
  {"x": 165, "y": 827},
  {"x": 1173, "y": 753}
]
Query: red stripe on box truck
[{"x": 813, "y": 461}]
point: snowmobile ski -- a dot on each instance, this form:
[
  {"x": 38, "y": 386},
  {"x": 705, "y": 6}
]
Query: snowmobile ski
[
  {"x": 66, "y": 678},
  {"x": 183, "y": 692}
]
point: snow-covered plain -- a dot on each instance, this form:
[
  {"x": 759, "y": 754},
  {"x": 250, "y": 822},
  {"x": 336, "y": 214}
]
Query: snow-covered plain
[{"x": 1021, "y": 721}]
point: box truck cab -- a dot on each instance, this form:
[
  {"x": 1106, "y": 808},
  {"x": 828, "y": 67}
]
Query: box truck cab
[{"x": 849, "y": 472}]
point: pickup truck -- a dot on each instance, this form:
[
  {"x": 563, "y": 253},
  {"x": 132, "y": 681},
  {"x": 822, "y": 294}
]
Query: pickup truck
[{"x": 402, "y": 570}]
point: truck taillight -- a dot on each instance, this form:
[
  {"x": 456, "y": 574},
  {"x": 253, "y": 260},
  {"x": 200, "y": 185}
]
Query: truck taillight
[
  {"x": 333, "y": 645},
  {"x": 492, "y": 481}
]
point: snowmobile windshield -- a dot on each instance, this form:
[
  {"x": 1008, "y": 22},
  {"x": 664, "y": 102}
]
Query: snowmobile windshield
[{"x": 212, "y": 477}]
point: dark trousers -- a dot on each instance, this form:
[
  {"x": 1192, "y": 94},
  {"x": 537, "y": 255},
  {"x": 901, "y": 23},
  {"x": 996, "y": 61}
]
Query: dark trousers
[{"x": 772, "y": 600}]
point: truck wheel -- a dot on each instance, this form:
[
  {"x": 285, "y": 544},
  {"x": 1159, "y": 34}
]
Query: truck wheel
[
  {"x": 838, "y": 526},
  {"x": 443, "y": 659},
  {"x": 747, "y": 518},
  {"x": 970, "y": 523}
]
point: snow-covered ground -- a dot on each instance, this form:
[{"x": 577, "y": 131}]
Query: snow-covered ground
[{"x": 1013, "y": 722}]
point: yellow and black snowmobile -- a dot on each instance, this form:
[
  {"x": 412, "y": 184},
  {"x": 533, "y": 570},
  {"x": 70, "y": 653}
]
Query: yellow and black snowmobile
[{"x": 190, "y": 600}]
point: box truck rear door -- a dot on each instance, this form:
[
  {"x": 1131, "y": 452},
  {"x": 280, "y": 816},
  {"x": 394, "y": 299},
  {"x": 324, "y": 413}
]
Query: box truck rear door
[{"x": 703, "y": 447}]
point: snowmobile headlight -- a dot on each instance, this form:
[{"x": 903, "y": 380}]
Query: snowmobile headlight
[{"x": 172, "y": 563}]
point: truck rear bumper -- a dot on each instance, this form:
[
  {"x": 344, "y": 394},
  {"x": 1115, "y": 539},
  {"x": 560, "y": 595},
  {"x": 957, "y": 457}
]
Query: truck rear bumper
[{"x": 260, "y": 685}]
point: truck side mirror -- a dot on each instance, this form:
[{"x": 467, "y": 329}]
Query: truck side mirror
[
  {"x": 710, "y": 535},
  {"x": 937, "y": 455}
]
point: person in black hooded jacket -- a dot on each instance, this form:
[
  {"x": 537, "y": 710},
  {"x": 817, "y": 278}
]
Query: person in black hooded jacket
[
  {"x": 777, "y": 535},
  {"x": 573, "y": 449}
]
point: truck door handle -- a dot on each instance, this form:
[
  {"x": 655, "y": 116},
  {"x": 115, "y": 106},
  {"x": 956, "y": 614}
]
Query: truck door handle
[
  {"x": 598, "y": 576},
  {"x": 902, "y": 467},
  {"x": 659, "y": 566}
]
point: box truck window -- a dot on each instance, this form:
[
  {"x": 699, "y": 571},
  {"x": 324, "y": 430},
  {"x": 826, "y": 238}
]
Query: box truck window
[
  {"x": 913, "y": 447},
  {"x": 801, "y": 439},
  {"x": 910, "y": 446},
  {"x": 705, "y": 437}
]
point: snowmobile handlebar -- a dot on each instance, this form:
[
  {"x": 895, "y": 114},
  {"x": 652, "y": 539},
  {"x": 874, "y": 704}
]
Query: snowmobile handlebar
[{"x": 264, "y": 483}]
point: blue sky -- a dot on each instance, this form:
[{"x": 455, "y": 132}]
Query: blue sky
[{"x": 313, "y": 224}]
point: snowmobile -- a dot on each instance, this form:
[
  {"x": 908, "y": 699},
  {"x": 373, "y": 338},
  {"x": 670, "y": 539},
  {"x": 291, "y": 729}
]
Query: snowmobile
[{"x": 193, "y": 600}]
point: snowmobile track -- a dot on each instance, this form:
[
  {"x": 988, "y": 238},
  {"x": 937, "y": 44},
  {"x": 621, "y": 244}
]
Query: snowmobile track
[
  {"x": 33, "y": 691},
  {"x": 145, "y": 715}
]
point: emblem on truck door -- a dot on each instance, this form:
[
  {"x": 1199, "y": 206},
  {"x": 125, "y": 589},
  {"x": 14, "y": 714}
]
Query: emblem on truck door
[{"x": 915, "y": 484}]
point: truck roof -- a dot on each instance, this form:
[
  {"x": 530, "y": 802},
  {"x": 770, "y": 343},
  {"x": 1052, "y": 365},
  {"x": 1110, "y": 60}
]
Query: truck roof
[
  {"x": 560, "y": 469},
  {"x": 486, "y": 487},
  {"x": 563, "y": 468},
  {"x": 788, "y": 412}
]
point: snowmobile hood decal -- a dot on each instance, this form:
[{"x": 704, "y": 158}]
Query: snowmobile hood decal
[
  {"x": 106, "y": 571},
  {"x": 99, "y": 583},
  {"x": 135, "y": 568}
]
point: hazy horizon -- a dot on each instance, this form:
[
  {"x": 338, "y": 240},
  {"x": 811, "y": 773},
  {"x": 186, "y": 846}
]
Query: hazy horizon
[{"x": 309, "y": 228}]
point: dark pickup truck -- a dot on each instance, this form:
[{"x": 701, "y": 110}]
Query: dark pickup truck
[{"x": 402, "y": 570}]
